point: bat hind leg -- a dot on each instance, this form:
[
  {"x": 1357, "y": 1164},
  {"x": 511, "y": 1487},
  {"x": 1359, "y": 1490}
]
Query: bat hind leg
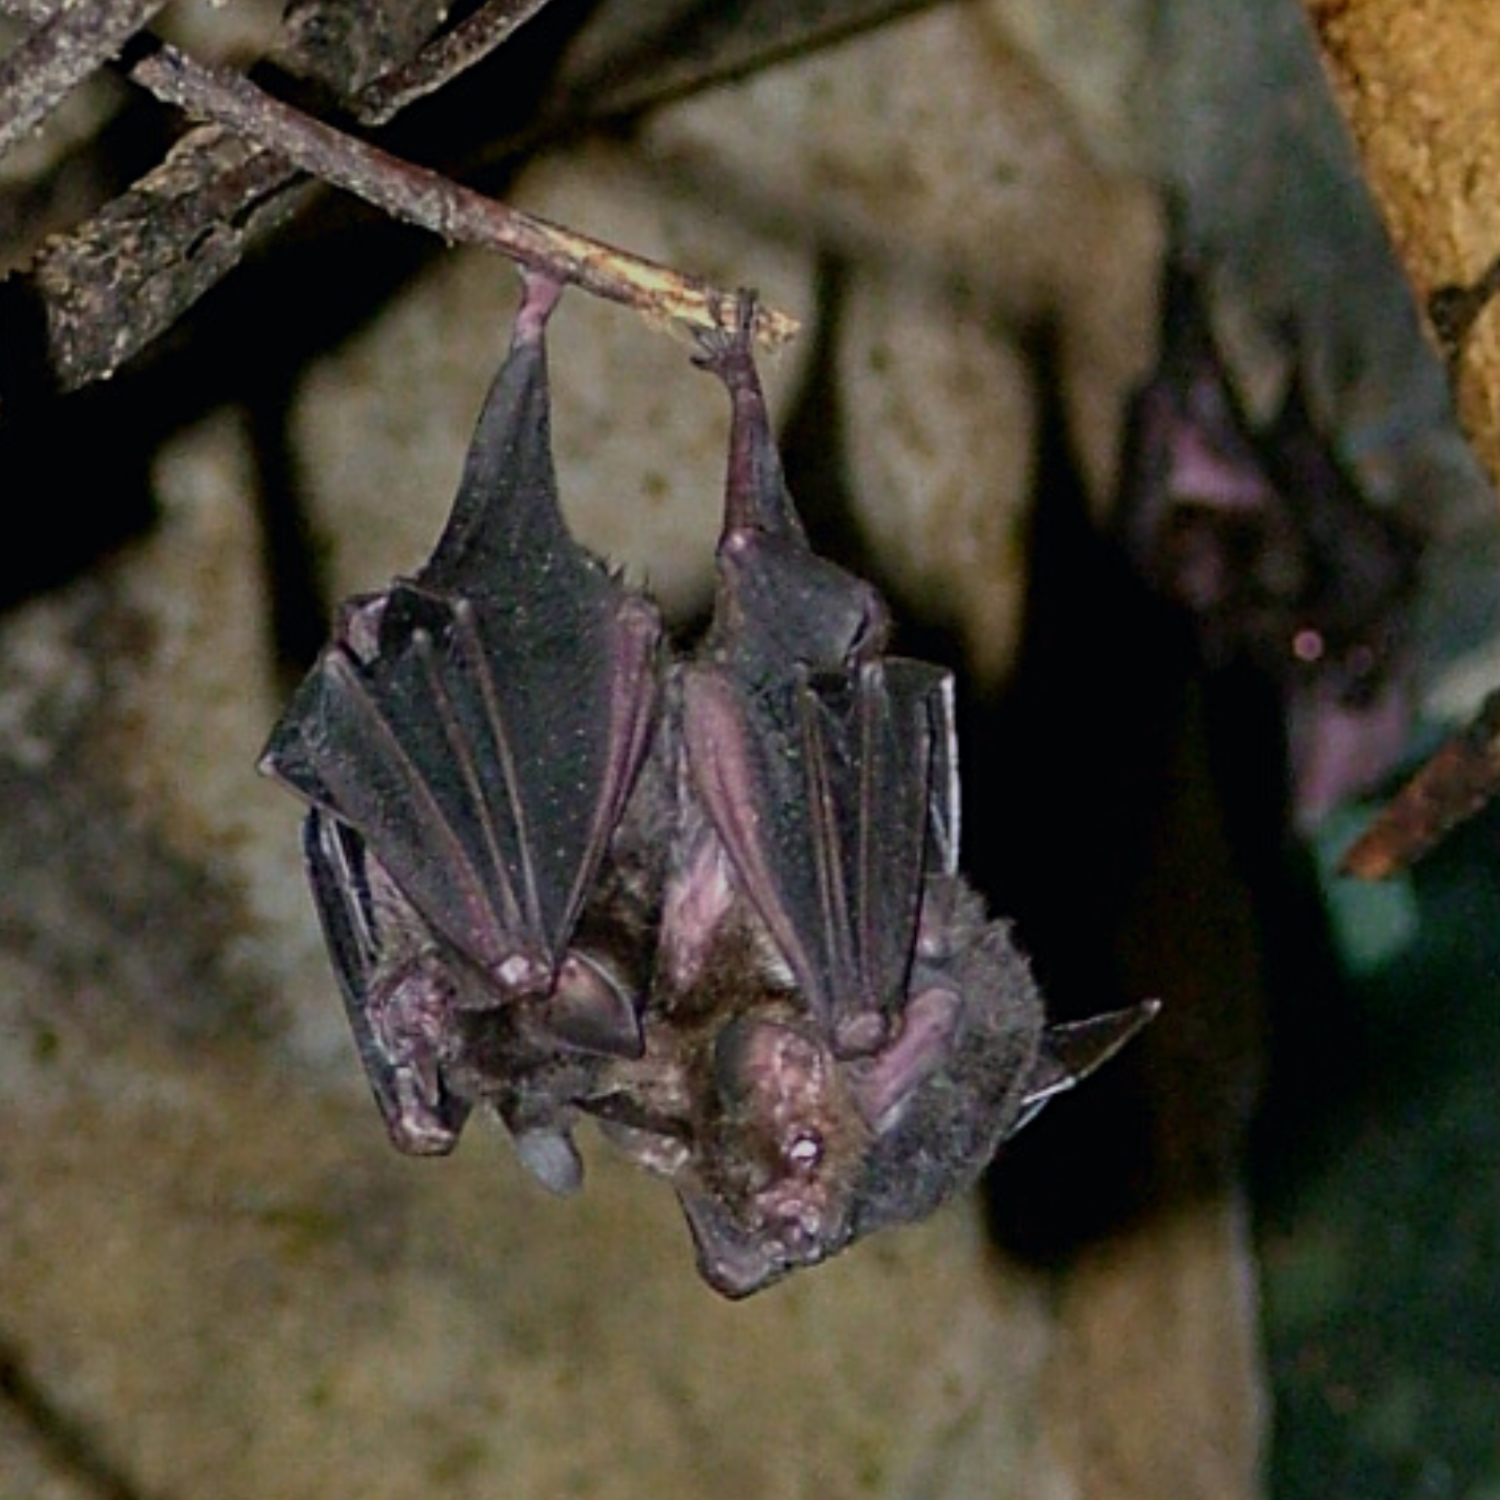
[{"x": 408, "y": 1017}]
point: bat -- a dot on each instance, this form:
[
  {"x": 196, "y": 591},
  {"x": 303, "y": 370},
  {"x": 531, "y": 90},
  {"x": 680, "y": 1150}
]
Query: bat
[
  {"x": 468, "y": 744},
  {"x": 837, "y": 1037},
  {"x": 708, "y": 899},
  {"x": 1264, "y": 540}
]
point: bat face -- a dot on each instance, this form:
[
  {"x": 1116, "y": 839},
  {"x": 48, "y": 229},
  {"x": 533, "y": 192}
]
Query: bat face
[
  {"x": 710, "y": 902},
  {"x": 1265, "y": 541}
]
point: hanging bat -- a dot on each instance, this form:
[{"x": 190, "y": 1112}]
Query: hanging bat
[
  {"x": 713, "y": 904},
  {"x": 468, "y": 744},
  {"x": 1265, "y": 540},
  {"x": 837, "y": 1038}
]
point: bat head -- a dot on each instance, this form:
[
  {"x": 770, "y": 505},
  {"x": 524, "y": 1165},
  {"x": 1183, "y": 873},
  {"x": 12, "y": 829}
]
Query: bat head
[
  {"x": 783, "y": 1142},
  {"x": 808, "y": 1150}
]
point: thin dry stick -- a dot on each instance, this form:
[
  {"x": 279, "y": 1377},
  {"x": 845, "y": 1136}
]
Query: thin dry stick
[
  {"x": 451, "y": 54},
  {"x": 67, "y": 45},
  {"x": 1458, "y": 779},
  {"x": 432, "y": 201},
  {"x": 108, "y": 288}
]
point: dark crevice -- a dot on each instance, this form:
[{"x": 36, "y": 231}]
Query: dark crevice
[
  {"x": 1095, "y": 820},
  {"x": 66, "y": 1441},
  {"x": 813, "y": 440},
  {"x": 298, "y": 598},
  {"x": 814, "y": 454},
  {"x": 1454, "y": 310}
]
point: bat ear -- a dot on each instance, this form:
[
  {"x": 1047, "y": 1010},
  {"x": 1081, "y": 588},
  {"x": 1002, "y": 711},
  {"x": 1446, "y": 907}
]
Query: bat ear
[
  {"x": 883, "y": 1085},
  {"x": 1072, "y": 1050},
  {"x": 552, "y": 1158},
  {"x": 589, "y": 1012}
]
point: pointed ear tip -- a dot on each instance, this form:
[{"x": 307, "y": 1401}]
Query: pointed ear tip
[
  {"x": 1102, "y": 1035},
  {"x": 1131, "y": 1019}
]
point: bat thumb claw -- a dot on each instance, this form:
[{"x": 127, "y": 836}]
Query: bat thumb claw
[{"x": 591, "y": 1013}]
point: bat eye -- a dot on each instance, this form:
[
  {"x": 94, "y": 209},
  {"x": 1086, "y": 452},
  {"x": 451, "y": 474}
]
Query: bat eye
[{"x": 1308, "y": 645}]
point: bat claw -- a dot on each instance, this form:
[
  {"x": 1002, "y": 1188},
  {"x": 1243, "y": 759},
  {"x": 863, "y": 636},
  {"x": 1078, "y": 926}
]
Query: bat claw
[
  {"x": 414, "y": 1125},
  {"x": 728, "y": 350},
  {"x": 590, "y": 1012}
]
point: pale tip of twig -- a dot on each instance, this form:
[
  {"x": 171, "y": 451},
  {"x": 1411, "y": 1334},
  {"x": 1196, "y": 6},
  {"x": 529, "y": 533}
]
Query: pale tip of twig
[{"x": 774, "y": 329}]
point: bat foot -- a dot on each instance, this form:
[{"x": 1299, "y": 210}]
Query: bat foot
[
  {"x": 540, "y": 294},
  {"x": 728, "y": 350}
]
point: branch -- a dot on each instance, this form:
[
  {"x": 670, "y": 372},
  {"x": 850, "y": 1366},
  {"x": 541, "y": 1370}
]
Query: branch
[
  {"x": 432, "y": 201},
  {"x": 1455, "y": 782},
  {"x": 95, "y": 297},
  {"x": 453, "y": 53},
  {"x": 59, "y": 54}
]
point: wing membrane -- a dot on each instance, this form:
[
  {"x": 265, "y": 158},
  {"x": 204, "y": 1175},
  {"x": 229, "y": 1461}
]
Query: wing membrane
[
  {"x": 481, "y": 726},
  {"x": 819, "y": 784},
  {"x": 365, "y": 949}
]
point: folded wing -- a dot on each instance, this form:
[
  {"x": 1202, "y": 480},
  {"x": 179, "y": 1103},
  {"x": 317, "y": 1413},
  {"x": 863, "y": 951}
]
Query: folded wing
[{"x": 481, "y": 726}]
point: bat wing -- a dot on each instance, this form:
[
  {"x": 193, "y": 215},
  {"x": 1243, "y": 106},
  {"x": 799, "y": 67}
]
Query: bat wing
[
  {"x": 821, "y": 787},
  {"x": 481, "y": 726},
  {"x": 421, "y": 1114}
]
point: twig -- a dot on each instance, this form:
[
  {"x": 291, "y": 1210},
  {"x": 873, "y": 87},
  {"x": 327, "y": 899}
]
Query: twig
[
  {"x": 66, "y": 46},
  {"x": 444, "y": 59},
  {"x": 101, "y": 293},
  {"x": 430, "y": 200},
  {"x": 95, "y": 297},
  {"x": 1459, "y": 778}
]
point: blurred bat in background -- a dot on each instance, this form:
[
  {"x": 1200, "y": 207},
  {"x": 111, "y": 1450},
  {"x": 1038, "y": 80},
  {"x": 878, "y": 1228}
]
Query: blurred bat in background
[
  {"x": 1264, "y": 539},
  {"x": 712, "y": 903}
]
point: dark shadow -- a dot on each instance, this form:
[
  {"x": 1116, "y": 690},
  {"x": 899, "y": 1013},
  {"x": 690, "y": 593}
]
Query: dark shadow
[
  {"x": 1097, "y": 821},
  {"x": 814, "y": 453},
  {"x": 66, "y": 1442}
]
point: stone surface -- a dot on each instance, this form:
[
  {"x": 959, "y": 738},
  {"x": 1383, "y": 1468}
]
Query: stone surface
[
  {"x": 978, "y": 201},
  {"x": 217, "y": 1273}
]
